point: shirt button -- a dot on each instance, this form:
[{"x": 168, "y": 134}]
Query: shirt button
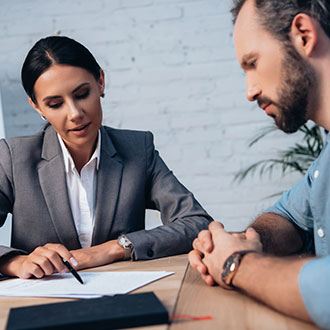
[
  {"x": 316, "y": 174},
  {"x": 320, "y": 232}
]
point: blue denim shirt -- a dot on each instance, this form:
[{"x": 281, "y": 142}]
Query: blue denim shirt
[{"x": 307, "y": 205}]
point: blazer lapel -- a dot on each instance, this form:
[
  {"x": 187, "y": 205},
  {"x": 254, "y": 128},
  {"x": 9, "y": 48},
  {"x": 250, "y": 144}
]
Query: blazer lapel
[
  {"x": 108, "y": 189},
  {"x": 53, "y": 184}
]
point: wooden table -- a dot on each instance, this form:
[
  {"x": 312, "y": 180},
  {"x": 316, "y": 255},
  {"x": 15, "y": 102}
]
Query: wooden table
[{"x": 185, "y": 293}]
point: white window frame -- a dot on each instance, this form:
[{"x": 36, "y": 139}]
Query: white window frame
[{"x": 5, "y": 231}]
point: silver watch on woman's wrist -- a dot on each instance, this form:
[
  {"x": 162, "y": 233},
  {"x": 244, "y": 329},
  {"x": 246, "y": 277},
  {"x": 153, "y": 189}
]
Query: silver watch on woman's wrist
[{"x": 125, "y": 243}]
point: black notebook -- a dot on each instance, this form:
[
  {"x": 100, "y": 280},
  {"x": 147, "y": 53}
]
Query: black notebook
[{"x": 122, "y": 311}]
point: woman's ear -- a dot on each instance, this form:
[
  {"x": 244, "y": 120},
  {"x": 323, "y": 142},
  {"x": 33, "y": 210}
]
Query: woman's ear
[
  {"x": 35, "y": 106},
  {"x": 101, "y": 83},
  {"x": 304, "y": 34}
]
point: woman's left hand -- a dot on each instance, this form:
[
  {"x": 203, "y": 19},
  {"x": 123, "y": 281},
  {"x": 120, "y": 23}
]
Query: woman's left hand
[{"x": 98, "y": 255}]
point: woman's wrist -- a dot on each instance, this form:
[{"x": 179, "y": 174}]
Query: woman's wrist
[
  {"x": 10, "y": 266},
  {"x": 110, "y": 252},
  {"x": 117, "y": 252}
]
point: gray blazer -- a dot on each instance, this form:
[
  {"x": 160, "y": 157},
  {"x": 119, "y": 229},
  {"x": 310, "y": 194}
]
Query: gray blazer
[{"x": 131, "y": 178}]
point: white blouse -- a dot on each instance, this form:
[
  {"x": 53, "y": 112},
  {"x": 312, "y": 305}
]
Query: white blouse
[{"x": 82, "y": 191}]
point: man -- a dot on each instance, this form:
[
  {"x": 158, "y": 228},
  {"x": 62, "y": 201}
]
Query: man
[{"x": 284, "y": 48}]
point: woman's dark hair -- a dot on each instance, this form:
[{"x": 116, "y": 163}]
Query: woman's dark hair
[
  {"x": 55, "y": 50},
  {"x": 277, "y": 15}
]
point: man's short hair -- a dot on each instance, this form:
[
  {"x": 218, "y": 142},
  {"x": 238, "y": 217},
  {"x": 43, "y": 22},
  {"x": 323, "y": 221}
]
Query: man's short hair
[{"x": 277, "y": 15}]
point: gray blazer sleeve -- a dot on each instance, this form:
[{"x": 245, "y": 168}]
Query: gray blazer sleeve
[{"x": 182, "y": 216}]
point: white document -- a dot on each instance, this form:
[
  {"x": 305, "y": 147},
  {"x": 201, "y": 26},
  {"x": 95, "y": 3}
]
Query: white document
[{"x": 96, "y": 284}]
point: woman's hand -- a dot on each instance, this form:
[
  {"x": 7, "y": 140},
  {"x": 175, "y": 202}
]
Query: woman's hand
[
  {"x": 98, "y": 255},
  {"x": 44, "y": 260}
]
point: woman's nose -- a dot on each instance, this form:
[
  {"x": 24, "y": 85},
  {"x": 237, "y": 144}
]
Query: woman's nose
[{"x": 74, "y": 112}]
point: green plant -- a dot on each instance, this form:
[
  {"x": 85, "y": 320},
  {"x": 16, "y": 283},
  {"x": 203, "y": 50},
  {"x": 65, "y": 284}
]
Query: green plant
[{"x": 297, "y": 158}]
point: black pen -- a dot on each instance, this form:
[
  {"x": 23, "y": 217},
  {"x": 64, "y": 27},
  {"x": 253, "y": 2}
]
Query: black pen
[{"x": 72, "y": 271}]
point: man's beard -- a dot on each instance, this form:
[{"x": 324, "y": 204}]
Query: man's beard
[{"x": 294, "y": 95}]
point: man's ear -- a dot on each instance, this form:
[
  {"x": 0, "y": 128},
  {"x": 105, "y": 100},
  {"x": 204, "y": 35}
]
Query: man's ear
[
  {"x": 35, "y": 106},
  {"x": 304, "y": 34}
]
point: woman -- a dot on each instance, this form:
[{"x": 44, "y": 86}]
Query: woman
[{"x": 76, "y": 187}]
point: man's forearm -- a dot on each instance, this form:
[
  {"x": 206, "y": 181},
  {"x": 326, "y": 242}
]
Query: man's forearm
[
  {"x": 270, "y": 279},
  {"x": 277, "y": 234},
  {"x": 274, "y": 281}
]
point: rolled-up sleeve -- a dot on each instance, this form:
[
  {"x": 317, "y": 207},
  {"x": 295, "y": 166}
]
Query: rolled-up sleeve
[
  {"x": 314, "y": 284},
  {"x": 295, "y": 205}
]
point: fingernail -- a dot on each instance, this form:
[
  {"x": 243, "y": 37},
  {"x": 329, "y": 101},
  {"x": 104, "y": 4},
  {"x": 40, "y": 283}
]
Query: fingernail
[
  {"x": 63, "y": 271},
  {"x": 250, "y": 229},
  {"x": 200, "y": 268},
  {"x": 73, "y": 261}
]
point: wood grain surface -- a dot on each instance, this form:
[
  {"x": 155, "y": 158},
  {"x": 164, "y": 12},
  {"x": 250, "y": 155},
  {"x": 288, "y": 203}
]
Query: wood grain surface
[
  {"x": 229, "y": 309},
  {"x": 186, "y": 293}
]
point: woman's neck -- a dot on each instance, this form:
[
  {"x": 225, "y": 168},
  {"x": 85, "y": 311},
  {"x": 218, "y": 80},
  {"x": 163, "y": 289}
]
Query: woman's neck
[{"x": 82, "y": 154}]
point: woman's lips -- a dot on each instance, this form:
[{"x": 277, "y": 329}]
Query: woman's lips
[{"x": 80, "y": 130}]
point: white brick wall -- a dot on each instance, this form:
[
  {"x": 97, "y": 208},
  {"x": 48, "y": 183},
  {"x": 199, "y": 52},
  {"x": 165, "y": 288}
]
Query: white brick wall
[{"x": 171, "y": 69}]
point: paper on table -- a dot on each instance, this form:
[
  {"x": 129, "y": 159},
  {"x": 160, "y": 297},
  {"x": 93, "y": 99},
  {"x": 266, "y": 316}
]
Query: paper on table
[{"x": 96, "y": 284}]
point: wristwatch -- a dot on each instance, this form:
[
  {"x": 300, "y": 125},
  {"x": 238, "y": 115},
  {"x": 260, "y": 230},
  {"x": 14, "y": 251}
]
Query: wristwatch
[
  {"x": 231, "y": 265},
  {"x": 124, "y": 242}
]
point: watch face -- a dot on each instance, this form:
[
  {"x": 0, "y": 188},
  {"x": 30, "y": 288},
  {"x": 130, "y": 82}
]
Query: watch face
[
  {"x": 227, "y": 267},
  {"x": 231, "y": 265},
  {"x": 124, "y": 242}
]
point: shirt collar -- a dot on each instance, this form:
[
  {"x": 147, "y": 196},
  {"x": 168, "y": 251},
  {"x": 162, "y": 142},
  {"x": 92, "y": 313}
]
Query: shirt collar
[{"x": 68, "y": 161}]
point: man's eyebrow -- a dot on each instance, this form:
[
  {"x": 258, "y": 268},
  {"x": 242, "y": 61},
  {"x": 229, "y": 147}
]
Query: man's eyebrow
[
  {"x": 247, "y": 58},
  {"x": 58, "y": 96}
]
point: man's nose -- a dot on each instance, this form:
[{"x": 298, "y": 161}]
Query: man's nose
[{"x": 253, "y": 91}]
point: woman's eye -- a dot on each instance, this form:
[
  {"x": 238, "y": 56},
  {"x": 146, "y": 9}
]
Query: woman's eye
[
  {"x": 82, "y": 95},
  {"x": 55, "y": 105}
]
